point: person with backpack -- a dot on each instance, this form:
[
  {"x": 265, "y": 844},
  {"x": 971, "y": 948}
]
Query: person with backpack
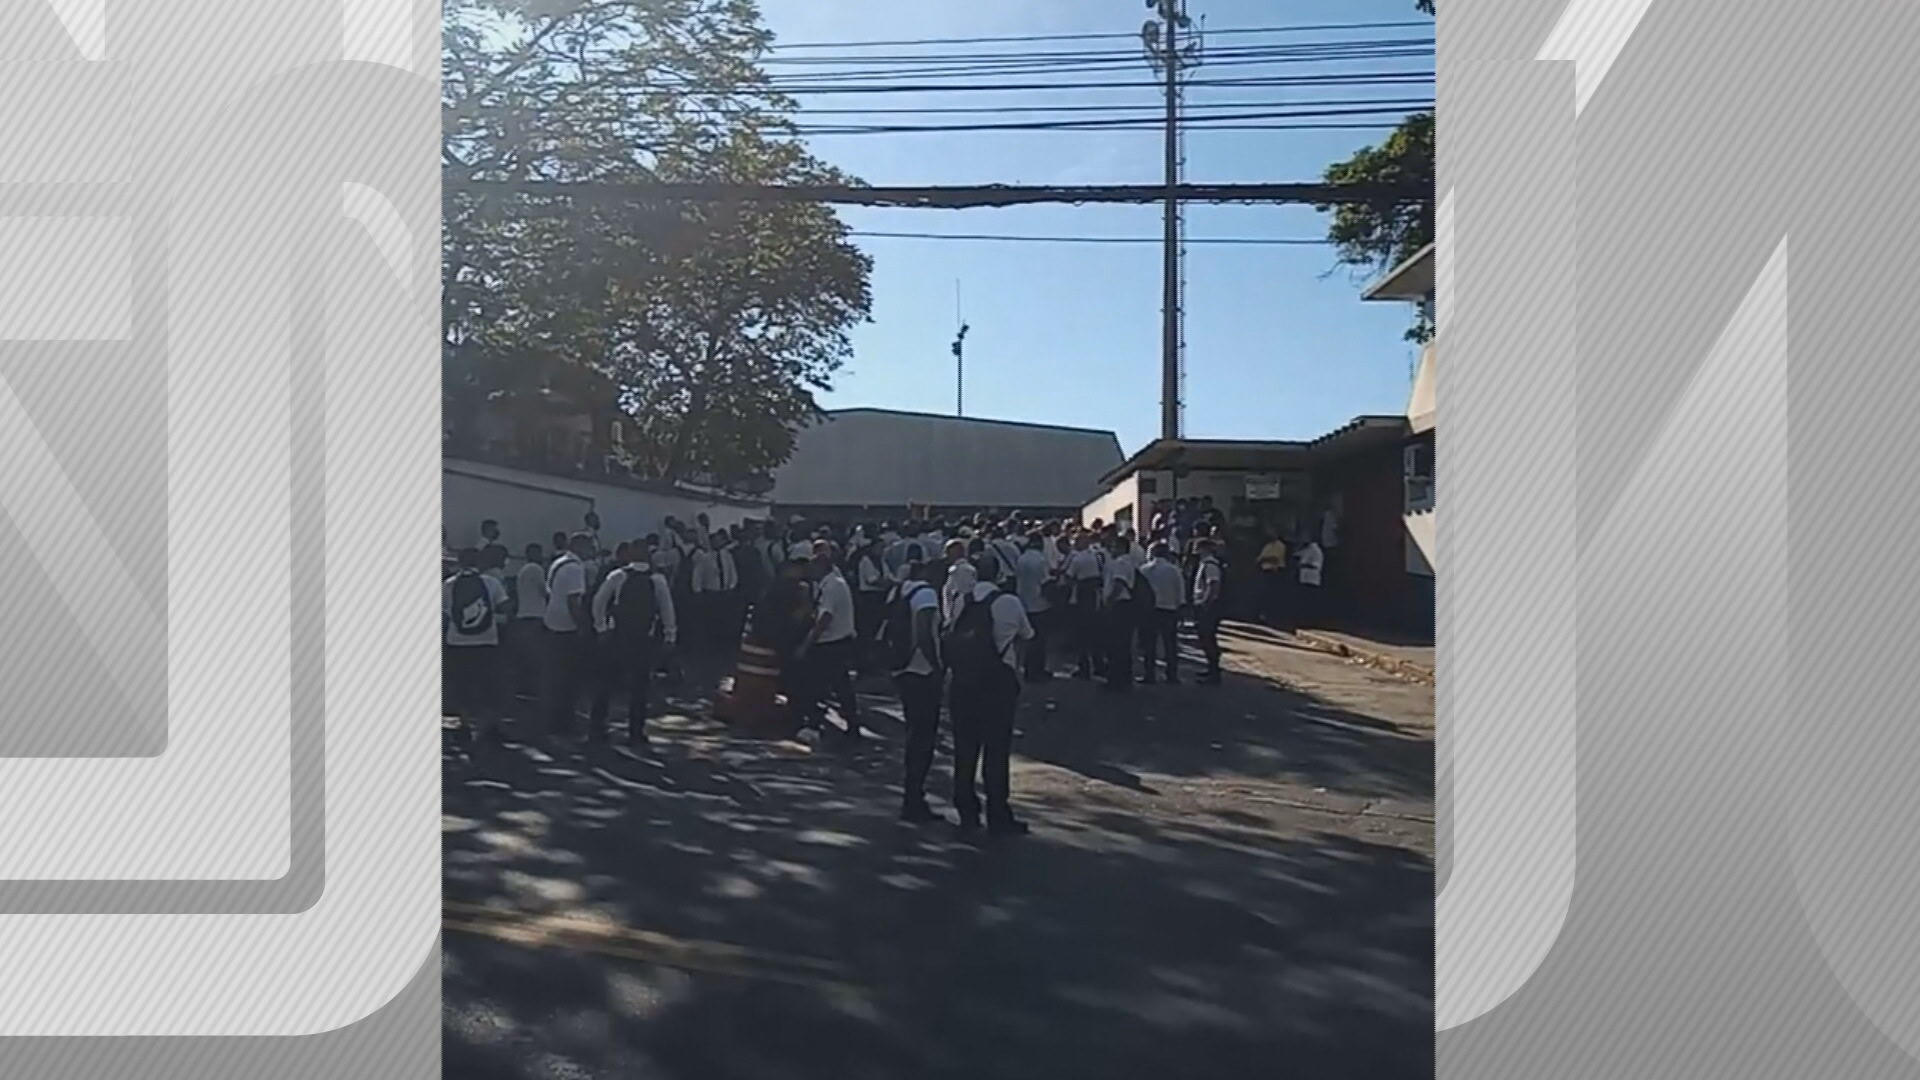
[
  {"x": 569, "y": 632},
  {"x": 1119, "y": 615},
  {"x": 472, "y": 607},
  {"x": 633, "y": 616},
  {"x": 911, "y": 638},
  {"x": 980, "y": 651},
  {"x": 1006, "y": 554},
  {"x": 1163, "y": 585},
  {"x": 1083, "y": 572},
  {"x": 1209, "y": 584}
]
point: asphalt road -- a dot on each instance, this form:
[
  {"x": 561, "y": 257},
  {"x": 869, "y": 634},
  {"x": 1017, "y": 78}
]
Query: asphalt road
[{"x": 1231, "y": 881}]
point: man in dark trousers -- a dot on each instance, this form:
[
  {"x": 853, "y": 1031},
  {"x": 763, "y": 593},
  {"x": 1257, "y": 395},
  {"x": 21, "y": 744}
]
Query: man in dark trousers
[
  {"x": 980, "y": 650},
  {"x": 912, "y": 640},
  {"x": 1209, "y": 583},
  {"x": 1162, "y": 634},
  {"x": 634, "y": 617},
  {"x": 569, "y": 633}
]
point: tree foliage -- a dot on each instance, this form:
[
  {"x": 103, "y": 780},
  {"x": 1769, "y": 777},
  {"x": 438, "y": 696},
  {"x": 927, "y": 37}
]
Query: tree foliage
[{"x": 709, "y": 327}]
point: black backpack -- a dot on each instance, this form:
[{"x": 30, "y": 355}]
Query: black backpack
[
  {"x": 636, "y": 610},
  {"x": 897, "y": 631},
  {"x": 472, "y": 608},
  {"x": 1144, "y": 598},
  {"x": 969, "y": 649}
]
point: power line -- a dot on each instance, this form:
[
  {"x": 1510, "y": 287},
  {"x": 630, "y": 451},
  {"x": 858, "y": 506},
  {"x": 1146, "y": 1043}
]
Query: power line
[
  {"x": 1147, "y": 126},
  {"x": 1251, "y": 241},
  {"x": 694, "y": 90},
  {"x": 1391, "y": 107},
  {"x": 1007, "y": 110},
  {"x": 794, "y": 82},
  {"x": 947, "y": 197},
  {"x": 1134, "y": 36},
  {"x": 1252, "y": 52}
]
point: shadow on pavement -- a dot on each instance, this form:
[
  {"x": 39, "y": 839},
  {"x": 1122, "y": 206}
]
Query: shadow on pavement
[{"x": 765, "y": 916}]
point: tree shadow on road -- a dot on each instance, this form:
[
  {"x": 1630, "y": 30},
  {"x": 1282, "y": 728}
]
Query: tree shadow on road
[{"x": 779, "y": 923}]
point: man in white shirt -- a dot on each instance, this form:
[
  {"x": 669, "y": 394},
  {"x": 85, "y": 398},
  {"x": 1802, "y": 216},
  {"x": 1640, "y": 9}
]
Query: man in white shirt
[
  {"x": 1163, "y": 634},
  {"x": 1007, "y": 554},
  {"x": 1084, "y": 576},
  {"x": 705, "y": 586},
  {"x": 830, "y": 651},
  {"x": 524, "y": 634},
  {"x": 1209, "y": 583},
  {"x": 569, "y": 632},
  {"x": 918, "y": 683},
  {"x": 961, "y": 577},
  {"x": 985, "y": 693},
  {"x": 472, "y": 607},
  {"x": 1310, "y": 560},
  {"x": 1119, "y": 615},
  {"x": 870, "y": 587},
  {"x": 1033, "y": 578},
  {"x": 633, "y": 628}
]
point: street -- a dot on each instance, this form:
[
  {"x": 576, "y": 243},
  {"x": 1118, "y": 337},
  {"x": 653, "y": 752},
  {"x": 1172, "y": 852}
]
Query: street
[{"x": 1221, "y": 881}]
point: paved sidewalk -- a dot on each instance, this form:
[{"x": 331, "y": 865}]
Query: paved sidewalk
[{"x": 1412, "y": 661}]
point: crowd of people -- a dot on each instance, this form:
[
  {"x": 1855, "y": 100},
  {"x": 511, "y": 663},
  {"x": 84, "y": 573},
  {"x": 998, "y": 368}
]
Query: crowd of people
[{"x": 956, "y": 613}]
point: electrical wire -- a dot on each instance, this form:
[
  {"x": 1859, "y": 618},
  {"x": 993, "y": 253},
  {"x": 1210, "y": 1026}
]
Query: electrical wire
[
  {"x": 1105, "y": 36},
  {"x": 1251, "y": 241}
]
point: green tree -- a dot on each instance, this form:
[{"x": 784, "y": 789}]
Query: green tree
[
  {"x": 1376, "y": 236},
  {"x": 710, "y": 327}
]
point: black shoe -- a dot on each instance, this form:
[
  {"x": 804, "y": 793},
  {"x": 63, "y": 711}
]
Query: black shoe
[
  {"x": 1083, "y": 676},
  {"x": 1148, "y": 681},
  {"x": 1007, "y": 827},
  {"x": 1173, "y": 680},
  {"x": 1209, "y": 680},
  {"x": 967, "y": 826},
  {"x": 919, "y": 814}
]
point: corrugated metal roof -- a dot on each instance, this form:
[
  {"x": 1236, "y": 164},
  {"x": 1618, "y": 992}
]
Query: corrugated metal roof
[{"x": 879, "y": 457}]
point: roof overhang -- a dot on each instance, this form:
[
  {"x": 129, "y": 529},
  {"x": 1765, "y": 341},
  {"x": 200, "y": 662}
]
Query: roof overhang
[
  {"x": 1411, "y": 281},
  {"x": 1249, "y": 455}
]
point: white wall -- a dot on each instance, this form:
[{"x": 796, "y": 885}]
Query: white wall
[
  {"x": 531, "y": 507},
  {"x": 1105, "y": 508},
  {"x": 1420, "y": 543}
]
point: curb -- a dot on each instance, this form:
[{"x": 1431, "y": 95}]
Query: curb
[{"x": 1392, "y": 665}]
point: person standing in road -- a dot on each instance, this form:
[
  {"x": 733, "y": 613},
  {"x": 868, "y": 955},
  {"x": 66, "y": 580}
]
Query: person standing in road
[
  {"x": 830, "y": 648},
  {"x": 633, "y": 614},
  {"x": 1272, "y": 562},
  {"x": 1033, "y": 576},
  {"x": 959, "y": 579},
  {"x": 1119, "y": 614},
  {"x": 1209, "y": 584},
  {"x": 1309, "y": 560},
  {"x": 472, "y": 607},
  {"x": 1082, "y": 572},
  {"x": 870, "y": 585},
  {"x": 569, "y": 633},
  {"x": 980, "y": 649},
  {"x": 912, "y": 639},
  {"x": 1162, "y": 634},
  {"x": 524, "y": 635}
]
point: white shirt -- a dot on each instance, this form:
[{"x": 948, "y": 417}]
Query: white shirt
[
  {"x": 729, "y": 569},
  {"x": 667, "y": 560},
  {"x": 1010, "y": 622},
  {"x": 609, "y": 595},
  {"x": 491, "y": 635},
  {"x": 872, "y": 575},
  {"x": 1083, "y": 565},
  {"x": 567, "y": 578},
  {"x": 1310, "y": 562},
  {"x": 1030, "y": 573},
  {"x": 1009, "y": 555},
  {"x": 1169, "y": 592},
  {"x": 531, "y": 584},
  {"x": 1207, "y": 582},
  {"x": 706, "y": 571},
  {"x": 924, "y": 598},
  {"x": 960, "y": 578},
  {"x": 1117, "y": 585},
  {"x": 1056, "y": 558},
  {"x": 1329, "y": 529},
  {"x": 836, "y": 600}
]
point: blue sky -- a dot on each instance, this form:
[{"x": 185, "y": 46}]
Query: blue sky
[{"x": 1277, "y": 347}]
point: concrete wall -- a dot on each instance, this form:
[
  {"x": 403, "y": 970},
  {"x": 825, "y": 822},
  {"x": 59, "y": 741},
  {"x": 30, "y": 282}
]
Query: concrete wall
[
  {"x": 1420, "y": 543},
  {"x": 531, "y": 507},
  {"x": 1107, "y": 508}
]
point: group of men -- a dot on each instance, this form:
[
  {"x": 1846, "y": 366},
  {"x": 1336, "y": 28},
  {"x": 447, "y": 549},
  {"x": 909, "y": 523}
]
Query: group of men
[{"x": 959, "y": 614}]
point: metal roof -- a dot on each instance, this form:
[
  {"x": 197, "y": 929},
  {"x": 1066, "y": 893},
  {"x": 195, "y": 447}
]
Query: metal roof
[
  {"x": 882, "y": 457},
  {"x": 1411, "y": 280},
  {"x": 1260, "y": 455}
]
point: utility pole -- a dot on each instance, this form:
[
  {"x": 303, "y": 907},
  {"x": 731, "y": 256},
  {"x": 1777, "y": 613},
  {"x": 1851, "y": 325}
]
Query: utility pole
[
  {"x": 1173, "y": 45},
  {"x": 959, "y": 357}
]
